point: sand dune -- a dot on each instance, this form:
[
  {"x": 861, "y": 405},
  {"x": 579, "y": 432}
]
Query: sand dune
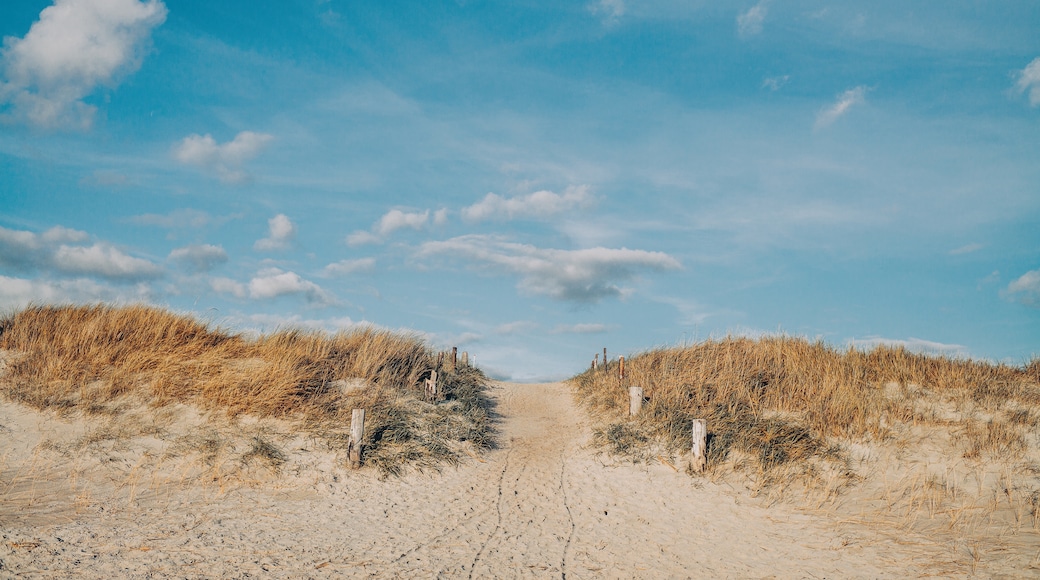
[{"x": 542, "y": 505}]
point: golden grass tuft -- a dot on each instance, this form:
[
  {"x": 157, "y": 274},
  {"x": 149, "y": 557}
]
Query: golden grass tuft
[
  {"x": 782, "y": 400},
  {"x": 101, "y": 359}
]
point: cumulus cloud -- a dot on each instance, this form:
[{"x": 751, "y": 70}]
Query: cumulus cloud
[
  {"x": 225, "y": 160},
  {"x": 104, "y": 260},
  {"x": 1025, "y": 289},
  {"x": 53, "y": 250},
  {"x": 20, "y": 292},
  {"x": 223, "y": 285},
  {"x": 280, "y": 234},
  {"x": 1029, "y": 82},
  {"x": 199, "y": 257},
  {"x": 391, "y": 222},
  {"x": 587, "y": 275},
  {"x": 273, "y": 282},
  {"x": 749, "y": 23},
  {"x": 396, "y": 219},
  {"x": 540, "y": 204},
  {"x": 345, "y": 267},
  {"x": 74, "y": 47},
  {"x": 846, "y": 101},
  {"x": 586, "y": 328}
]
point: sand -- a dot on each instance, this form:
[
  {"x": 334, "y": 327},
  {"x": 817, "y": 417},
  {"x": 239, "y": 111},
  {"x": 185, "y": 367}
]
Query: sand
[{"x": 541, "y": 505}]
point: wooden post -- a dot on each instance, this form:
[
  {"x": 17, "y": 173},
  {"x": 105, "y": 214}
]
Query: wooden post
[
  {"x": 465, "y": 359},
  {"x": 357, "y": 432},
  {"x": 604, "y": 359},
  {"x": 635, "y": 400},
  {"x": 431, "y": 387},
  {"x": 700, "y": 437},
  {"x": 595, "y": 362},
  {"x": 621, "y": 368},
  {"x": 454, "y": 358}
]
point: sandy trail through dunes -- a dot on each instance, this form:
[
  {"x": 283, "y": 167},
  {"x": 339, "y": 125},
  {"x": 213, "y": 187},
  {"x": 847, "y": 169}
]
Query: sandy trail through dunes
[{"x": 540, "y": 506}]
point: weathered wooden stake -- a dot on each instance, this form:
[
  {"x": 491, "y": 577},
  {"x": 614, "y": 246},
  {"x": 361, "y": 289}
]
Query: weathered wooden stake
[
  {"x": 604, "y": 359},
  {"x": 621, "y": 368},
  {"x": 454, "y": 358},
  {"x": 700, "y": 437},
  {"x": 465, "y": 359},
  {"x": 431, "y": 387},
  {"x": 635, "y": 400},
  {"x": 357, "y": 432}
]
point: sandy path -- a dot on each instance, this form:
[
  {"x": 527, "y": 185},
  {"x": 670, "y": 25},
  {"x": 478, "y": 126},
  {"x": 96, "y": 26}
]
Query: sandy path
[{"x": 542, "y": 506}]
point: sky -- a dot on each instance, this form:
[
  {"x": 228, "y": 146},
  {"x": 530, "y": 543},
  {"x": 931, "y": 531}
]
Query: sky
[{"x": 533, "y": 181}]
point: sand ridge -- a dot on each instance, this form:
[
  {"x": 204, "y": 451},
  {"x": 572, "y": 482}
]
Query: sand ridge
[{"x": 541, "y": 505}]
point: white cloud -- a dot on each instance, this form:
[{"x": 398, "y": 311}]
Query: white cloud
[
  {"x": 540, "y": 204},
  {"x": 1026, "y": 288},
  {"x": 199, "y": 257},
  {"x": 440, "y": 217},
  {"x": 396, "y": 219},
  {"x": 1029, "y": 81},
  {"x": 749, "y": 23},
  {"x": 515, "y": 327},
  {"x": 74, "y": 47},
  {"x": 18, "y": 293},
  {"x": 273, "y": 282},
  {"x": 845, "y": 101},
  {"x": 587, "y": 275},
  {"x": 345, "y": 267},
  {"x": 588, "y": 328},
  {"x": 224, "y": 160},
  {"x": 104, "y": 260},
  {"x": 362, "y": 237},
  {"x": 228, "y": 286},
  {"x": 393, "y": 221},
  {"x": 912, "y": 344},
  {"x": 52, "y": 251},
  {"x": 268, "y": 322},
  {"x": 280, "y": 234}
]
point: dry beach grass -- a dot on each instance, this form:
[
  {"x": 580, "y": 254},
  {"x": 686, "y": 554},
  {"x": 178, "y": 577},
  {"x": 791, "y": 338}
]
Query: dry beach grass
[
  {"x": 110, "y": 361},
  {"x": 946, "y": 447}
]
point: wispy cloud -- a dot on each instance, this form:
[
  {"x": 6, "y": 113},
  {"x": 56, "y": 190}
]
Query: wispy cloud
[
  {"x": 846, "y": 101},
  {"x": 74, "y": 47},
  {"x": 587, "y": 276},
  {"x": 515, "y": 327},
  {"x": 912, "y": 344},
  {"x": 1025, "y": 289},
  {"x": 749, "y": 22},
  {"x": 1029, "y": 82},
  {"x": 540, "y": 204},
  {"x": 775, "y": 83},
  {"x": 199, "y": 257},
  {"x": 966, "y": 249},
  {"x": 610, "y": 11},
  {"x": 346, "y": 267},
  {"x": 177, "y": 219},
  {"x": 281, "y": 232},
  {"x": 225, "y": 160},
  {"x": 586, "y": 328}
]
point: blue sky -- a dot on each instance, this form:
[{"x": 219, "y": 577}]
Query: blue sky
[{"x": 533, "y": 181}]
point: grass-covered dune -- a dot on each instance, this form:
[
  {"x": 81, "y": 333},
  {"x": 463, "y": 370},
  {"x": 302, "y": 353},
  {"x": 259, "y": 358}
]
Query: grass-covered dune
[
  {"x": 781, "y": 401},
  {"x": 104, "y": 360}
]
